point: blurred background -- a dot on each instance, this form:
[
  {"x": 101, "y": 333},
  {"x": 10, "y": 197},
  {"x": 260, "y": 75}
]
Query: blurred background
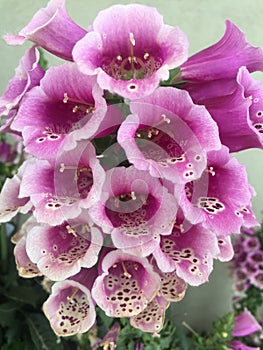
[{"x": 203, "y": 23}]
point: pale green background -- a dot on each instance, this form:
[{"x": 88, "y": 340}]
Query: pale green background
[{"x": 203, "y": 22}]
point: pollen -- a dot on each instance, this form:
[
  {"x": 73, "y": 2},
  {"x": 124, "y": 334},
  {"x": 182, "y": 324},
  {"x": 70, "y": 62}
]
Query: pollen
[
  {"x": 126, "y": 273},
  {"x": 119, "y": 58},
  {"x": 166, "y": 119},
  {"x": 66, "y": 98},
  {"x": 146, "y": 55},
  {"x": 211, "y": 171},
  {"x": 132, "y": 40}
]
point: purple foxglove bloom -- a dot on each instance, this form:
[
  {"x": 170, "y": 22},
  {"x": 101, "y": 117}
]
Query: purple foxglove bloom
[
  {"x": 172, "y": 288},
  {"x": 226, "y": 193},
  {"x": 52, "y": 29},
  {"x": 26, "y": 268},
  {"x": 245, "y": 324},
  {"x": 63, "y": 250},
  {"x": 126, "y": 285},
  {"x": 10, "y": 203},
  {"x": 70, "y": 308},
  {"x": 212, "y": 71},
  {"x": 151, "y": 319},
  {"x": 134, "y": 210},
  {"x": 73, "y": 183},
  {"x": 168, "y": 135},
  {"x": 133, "y": 56},
  {"x": 109, "y": 341},
  {"x": 239, "y": 115},
  {"x": 226, "y": 248},
  {"x": 28, "y": 74},
  {"x": 237, "y": 345},
  {"x": 66, "y": 107},
  {"x": 189, "y": 251}
]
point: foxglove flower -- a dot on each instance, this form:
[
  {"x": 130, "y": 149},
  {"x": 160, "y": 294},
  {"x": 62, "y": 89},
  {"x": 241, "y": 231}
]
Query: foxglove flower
[
  {"x": 52, "y": 29},
  {"x": 126, "y": 284},
  {"x": 10, "y": 202},
  {"x": 189, "y": 251},
  {"x": 244, "y": 324},
  {"x": 72, "y": 183},
  {"x": 63, "y": 250},
  {"x": 151, "y": 319},
  {"x": 25, "y": 266},
  {"x": 212, "y": 71},
  {"x": 66, "y": 107},
  {"x": 70, "y": 307},
  {"x": 132, "y": 57},
  {"x": 28, "y": 74},
  {"x": 168, "y": 135},
  {"x": 226, "y": 195},
  {"x": 239, "y": 115},
  {"x": 134, "y": 210}
]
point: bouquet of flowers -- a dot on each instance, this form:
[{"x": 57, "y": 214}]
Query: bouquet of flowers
[{"x": 127, "y": 172}]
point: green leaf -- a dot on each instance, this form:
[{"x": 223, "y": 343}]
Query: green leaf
[
  {"x": 42, "y": 60},
  {"x": 22, "y": 294},
  {"x": 7, "y": 313},
  {"x": 42, "y": 335},
  {"x": 172, "y": 74}
]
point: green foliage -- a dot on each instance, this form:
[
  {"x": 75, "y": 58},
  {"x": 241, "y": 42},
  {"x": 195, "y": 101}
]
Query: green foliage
[{"x": 42, "y": 60}]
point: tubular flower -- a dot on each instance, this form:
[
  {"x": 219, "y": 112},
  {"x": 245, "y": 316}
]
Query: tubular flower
[
  {"x": 52, "y": 29},
  {"x": 132, "y": 57}
]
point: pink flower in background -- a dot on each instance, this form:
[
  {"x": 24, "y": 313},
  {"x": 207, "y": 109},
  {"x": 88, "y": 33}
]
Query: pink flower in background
[{"x": 52, "y": 29}]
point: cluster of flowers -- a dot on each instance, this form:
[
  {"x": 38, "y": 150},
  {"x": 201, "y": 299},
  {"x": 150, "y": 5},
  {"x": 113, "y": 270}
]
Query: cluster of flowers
[
  {"x": 128, "y": 174},
  {"x": 248, "y": 261}
]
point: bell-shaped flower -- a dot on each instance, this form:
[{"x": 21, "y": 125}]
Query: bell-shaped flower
[
  {"x": 126, "y": 285},
  {"x": 168, "y": 135},
  {"x": 70, "y": 308},
  {"x": 66, "y": 107},
  {"x": 25, "y": 266},
  {"x": 10, "y": 202},
  {"x": 134, "y": 210},
  {"x": 133, "y": 56},
  {"x": 27, "y": 75},
  {"x": 63, "y": 250},
  {"x": 244, "y": 325},
  {"x": 72, "y": 183},
  {"x": 151, "y": 319},
  {"x": 52, "y": 29},
  {"x": 212, "y": 71},
  {"x": 239, "y": 115},
  {"x": 225, "y": 191},
  {"x": 189, "y": 251}
]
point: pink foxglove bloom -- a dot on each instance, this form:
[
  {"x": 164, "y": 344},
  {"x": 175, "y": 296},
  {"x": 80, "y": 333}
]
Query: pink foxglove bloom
[
  {"x": 70, "y": 308},
  {"x": 28, "y": 74},
  {"x": 66, "y": 107},
  {"x": 168, "y": 135},
  {"x": 126, "y": 285},
  {"x": 63, "y": 250},
  {"x": 244, "y": 325},
  {"x": 239, "y": 115},
  {"x": 212, "y": 71},
  {"x": 73, "y": 183},
  {"x": 151, "y": 319},
  {"x": 10, "y": 202},
  {"x": 134, "y": 211},
  {"x": 189, "y": 251},
  {"x": 134, "y": 55},
  {"x": 226, "y": 195},
  {"x": 52, "y": 29}
]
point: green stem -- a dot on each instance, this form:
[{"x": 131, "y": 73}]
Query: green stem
[{"x": 4, "y": 249}]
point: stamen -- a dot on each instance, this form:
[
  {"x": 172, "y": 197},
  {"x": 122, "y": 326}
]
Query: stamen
[
  {"x": 166, "y": 119},
  {"x": 132, "y": 40},
  {"x": 71, "y": 230},
  {"x": 119, "y": 58},
  {"x": 211, "y": 171},
  {"x": 70, "y": 298},
  {"x": 65, "y": 99},
  {"x": 126, "y": 273},
  {"x": 133, "y": 196},
  {"x": 75, "y": 109},
  {"x": 146, "y": 55}
]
